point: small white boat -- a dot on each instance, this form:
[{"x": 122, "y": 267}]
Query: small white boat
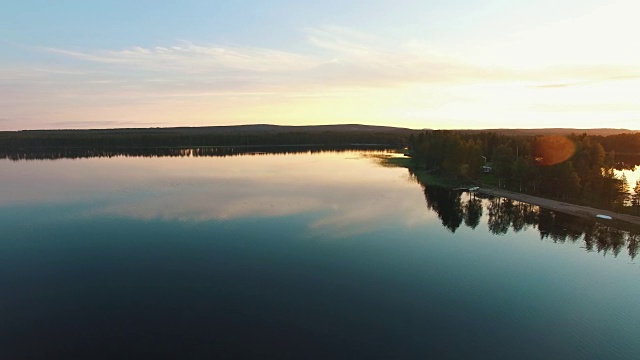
[
  {"x": 604, "y": 216},
  {"x": 474, "y": 188}
]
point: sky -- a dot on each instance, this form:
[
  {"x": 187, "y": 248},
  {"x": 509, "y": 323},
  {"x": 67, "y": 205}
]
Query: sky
[{"x": 411, "y": 63}]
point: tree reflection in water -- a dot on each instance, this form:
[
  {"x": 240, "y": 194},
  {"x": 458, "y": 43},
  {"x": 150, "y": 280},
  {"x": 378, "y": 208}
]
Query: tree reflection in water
[
  {"x": 447, "y": 204},
  {"x": 472, "y": 212},
  {"x": 503, "y": 215},
  {"x": 153, "y": 152}
]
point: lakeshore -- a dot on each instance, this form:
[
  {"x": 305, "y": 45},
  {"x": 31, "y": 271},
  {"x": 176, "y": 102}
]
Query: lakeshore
[
  {"x": 573, "y": 209},
  {"x": 555, "y": 205}
]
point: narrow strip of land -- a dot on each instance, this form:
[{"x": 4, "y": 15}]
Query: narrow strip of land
[{"x": 577, "y": 210}]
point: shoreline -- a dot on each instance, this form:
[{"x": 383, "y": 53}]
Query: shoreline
[
  {"x": 585, "y": 212},
  {"x": 568, "y": 208}
]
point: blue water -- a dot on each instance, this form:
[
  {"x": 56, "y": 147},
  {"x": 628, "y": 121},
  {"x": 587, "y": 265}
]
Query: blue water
[{"x": 289, "y": 256}]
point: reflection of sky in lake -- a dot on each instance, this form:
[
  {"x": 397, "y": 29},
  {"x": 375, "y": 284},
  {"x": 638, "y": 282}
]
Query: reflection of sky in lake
[
  {"x": 350, "y": 198},
  {"x": 631, "y": 175}
]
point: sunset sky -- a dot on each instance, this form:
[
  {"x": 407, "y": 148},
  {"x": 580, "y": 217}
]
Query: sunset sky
[{"x": 418, "y": 64}]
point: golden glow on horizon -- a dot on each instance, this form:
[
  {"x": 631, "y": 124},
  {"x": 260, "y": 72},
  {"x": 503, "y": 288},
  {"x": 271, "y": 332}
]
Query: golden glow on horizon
[{"x": 609, "y": 103}]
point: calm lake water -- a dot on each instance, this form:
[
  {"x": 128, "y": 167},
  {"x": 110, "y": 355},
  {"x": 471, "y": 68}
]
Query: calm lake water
[{"x": 327, "y": 255}]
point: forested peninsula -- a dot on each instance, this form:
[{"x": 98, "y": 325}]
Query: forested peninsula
[{"x": 575, "y": 168}]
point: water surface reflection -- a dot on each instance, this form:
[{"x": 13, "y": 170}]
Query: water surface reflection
[
  {"x": 308, "y": 255},
  {"x": 198, "y": 188},
  {"x": 201, "y": 184}
]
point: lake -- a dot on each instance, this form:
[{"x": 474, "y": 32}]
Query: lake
[{"x": 305, "y": 255}]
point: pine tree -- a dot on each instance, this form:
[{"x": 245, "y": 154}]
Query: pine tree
[
  {"x": 636, "y": 196},
  {"x": 623, "y": 194}
]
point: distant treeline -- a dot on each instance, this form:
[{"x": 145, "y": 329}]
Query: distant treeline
[
  {"x": 621, "y": 143},
  {"x": 575, "y": 168},
  {"x": 266, "y": 135},
  {"x": 199, "y": 137}
]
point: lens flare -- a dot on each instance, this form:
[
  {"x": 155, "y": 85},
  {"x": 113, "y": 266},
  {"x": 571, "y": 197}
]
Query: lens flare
[{"x": 553, "y": 149}]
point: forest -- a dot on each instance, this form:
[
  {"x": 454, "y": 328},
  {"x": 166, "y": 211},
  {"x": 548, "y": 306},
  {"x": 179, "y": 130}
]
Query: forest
[
  {"x": 574, "y": 168},
  {"x": 621, "y": 141},
  {"x": 246, "y": 135}
]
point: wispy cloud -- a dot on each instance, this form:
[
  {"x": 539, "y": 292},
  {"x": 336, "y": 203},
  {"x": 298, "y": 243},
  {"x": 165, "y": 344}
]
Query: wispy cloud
[
  {"x": 592, "y": 108},
  {"x": 552, "y": 86},
  {"x": 589, "y": 82},
  {"x": 100, "y": 124},
  {"x": 342, "y": 57},
  {"x": 192, "y": 58}
]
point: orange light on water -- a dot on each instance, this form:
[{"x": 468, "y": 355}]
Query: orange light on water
[{"x": 553, "y": 149}]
